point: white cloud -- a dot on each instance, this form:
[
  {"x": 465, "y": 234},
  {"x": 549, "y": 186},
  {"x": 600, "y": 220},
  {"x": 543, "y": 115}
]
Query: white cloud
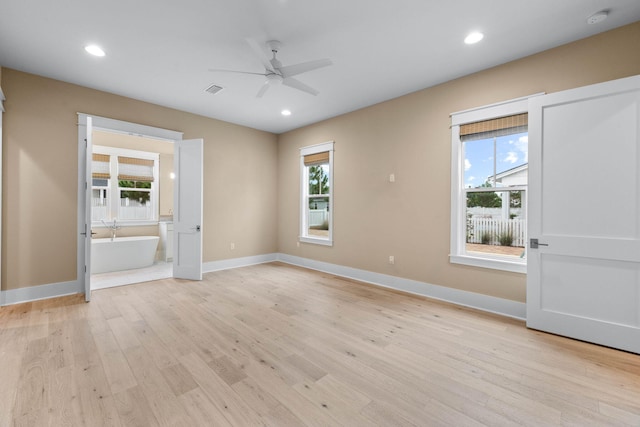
[
  {"x": 467, "y": 164},
  {"x": 523, "y": 146},
  {"x": 512, "y": 157}
]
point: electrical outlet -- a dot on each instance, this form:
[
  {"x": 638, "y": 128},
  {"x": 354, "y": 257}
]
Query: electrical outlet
[
  {"x": 298, "y": 244},
  {"x": 392, "y": 177},
  {"x": 232, "y": 246},
  {"x": 392, "y": 259}
]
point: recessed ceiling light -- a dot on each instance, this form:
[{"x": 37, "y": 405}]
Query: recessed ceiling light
[
  {"x": 473, "y": 38},
  {"x": 285, "y": 112},
  {"x": 94, "y": 50}
]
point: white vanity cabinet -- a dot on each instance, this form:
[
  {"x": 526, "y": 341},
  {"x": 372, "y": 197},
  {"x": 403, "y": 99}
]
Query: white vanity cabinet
[{"x": 166, "y": 241}]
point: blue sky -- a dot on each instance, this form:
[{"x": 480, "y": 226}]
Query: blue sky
[{"x": 511, "y": 151}]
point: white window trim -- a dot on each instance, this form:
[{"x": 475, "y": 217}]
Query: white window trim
[
  {"x": 458, "y": 253},
  {"x": 304, "y": 186},
  {"x": 155, "y": 191}
]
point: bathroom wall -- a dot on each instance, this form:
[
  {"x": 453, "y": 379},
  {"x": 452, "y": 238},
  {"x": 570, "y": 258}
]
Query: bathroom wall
[{"x": 165, "y": 150}]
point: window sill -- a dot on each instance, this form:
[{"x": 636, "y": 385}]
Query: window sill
[
  {"x": 141, "y": 223},
  {"x": 492, "y": 263},
  {"x": 316, "y": 241}
]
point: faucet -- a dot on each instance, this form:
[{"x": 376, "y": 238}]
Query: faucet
[{"x": 113, "y": 228}]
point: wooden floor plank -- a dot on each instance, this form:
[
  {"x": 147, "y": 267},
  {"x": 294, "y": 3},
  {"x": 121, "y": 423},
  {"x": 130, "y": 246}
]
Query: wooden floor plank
[{"x": 278, "y": 345}]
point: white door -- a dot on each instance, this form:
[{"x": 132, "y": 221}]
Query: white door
[
  {"x": 583, "y": 280},
  {"x": 187, "y": 210},
  {"x": 87, "y": 219}
]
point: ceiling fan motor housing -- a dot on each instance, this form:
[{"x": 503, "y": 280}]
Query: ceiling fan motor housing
[{"x": 273, "y": 78}]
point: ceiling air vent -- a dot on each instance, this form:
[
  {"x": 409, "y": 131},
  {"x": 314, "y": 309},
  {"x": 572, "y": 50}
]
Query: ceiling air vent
[{"x": 213, "y": 89}]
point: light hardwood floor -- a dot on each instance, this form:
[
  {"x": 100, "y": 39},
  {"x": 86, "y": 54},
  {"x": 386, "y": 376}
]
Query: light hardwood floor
[{"x": 282, "y": 346}]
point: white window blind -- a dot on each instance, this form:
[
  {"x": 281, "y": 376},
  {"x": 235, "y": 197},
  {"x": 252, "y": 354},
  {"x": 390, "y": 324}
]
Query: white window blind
[
  {"x": 100, "y": 166},
  {"x": 133, "y": 169}
]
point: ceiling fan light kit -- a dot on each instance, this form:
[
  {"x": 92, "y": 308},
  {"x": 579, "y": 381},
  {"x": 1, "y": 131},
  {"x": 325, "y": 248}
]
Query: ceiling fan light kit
[{"x": 275, "y": 73}]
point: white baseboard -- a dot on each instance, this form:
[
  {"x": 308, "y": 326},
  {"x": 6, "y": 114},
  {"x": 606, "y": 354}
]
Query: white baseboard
[
  {"x": 53, "y": 290},
  {"x": 482, "y": 302},
  {"x": 226, "y": 264},
  {"x": 34, "y": 293},
  {"x": 487, "y": 303}
]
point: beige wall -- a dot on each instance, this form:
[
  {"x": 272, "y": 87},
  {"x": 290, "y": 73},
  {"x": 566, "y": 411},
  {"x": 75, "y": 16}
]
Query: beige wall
[
  {"x": 40, "y": 172},
  {"x": 410, "y": 137}
]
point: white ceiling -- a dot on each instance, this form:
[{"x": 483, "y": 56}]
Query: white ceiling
[{"x": 160, "y": 51}]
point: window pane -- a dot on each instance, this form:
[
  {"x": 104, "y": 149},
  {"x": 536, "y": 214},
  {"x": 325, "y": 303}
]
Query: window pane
[
  {"x": 511, "y": 152},
  {"x": 496, "y": 223},
  {"x": 478, "y": 163},
  {"x": 100, "y": 182},
  {"x": 135, "y": 205},
  {"x": 318, "y": 179},
  {"x": 99, "y": 204},
  {"x": 501, "y": 157},
  {"x": 318, "y": 216},
  {"x": 134, "y": 184}
]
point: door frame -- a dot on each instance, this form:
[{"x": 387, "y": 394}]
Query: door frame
[
  {"x": 114, "y": 126},
  {"x": 2, "y": 99}
]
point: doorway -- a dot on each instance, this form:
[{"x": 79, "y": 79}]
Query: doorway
[
  {"x": 131, "y": 208},
  {"x": 86, "y": 126}
]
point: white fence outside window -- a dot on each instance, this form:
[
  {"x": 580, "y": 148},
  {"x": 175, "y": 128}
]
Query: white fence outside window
[
  {"x": 128, "y": 210},
  {"x": 133, "y": 209},
  {"x": 318, "y": 217},
  {"x": 479, "y": 228}
]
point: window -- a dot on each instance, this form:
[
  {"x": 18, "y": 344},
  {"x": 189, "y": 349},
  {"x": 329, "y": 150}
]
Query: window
[
  {"x": 316, "y": 182},
  {"x": 125, "y": 185},
  {"x": 489, "y": 186}
]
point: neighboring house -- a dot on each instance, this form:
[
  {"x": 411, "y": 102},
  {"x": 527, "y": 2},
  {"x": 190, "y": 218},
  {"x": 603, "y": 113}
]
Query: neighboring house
[{"x": 512, "y": 177}]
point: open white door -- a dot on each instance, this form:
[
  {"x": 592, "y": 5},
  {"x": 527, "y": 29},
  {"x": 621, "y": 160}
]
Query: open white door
[
  {"x": 583, "y": 275},
  {"x": 87, "y": 219},
  {"x": 187, "y": 210}
]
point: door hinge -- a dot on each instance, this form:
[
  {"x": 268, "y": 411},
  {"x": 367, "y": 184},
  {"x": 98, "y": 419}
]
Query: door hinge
[{"x": 85, "y": 268}]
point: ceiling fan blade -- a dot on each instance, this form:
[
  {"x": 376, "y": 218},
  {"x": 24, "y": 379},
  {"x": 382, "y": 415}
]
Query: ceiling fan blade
[
  {"x": 297, "y": 84},
  {"x": 261, "y": 54},
  {"x": 293, "y": 70},
  {"x": 263, "y": 89},
  {"x": 218, "y": 70}
]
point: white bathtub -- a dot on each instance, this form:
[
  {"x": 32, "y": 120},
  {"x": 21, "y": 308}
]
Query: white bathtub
[{"x": 122, "y": 253}]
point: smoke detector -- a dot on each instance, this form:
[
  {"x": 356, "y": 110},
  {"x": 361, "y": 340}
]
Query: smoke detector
[{"x": 598, "y": 17}]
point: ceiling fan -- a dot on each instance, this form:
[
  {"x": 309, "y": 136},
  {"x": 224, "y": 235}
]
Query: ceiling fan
[{"x": 276, "y": 73}]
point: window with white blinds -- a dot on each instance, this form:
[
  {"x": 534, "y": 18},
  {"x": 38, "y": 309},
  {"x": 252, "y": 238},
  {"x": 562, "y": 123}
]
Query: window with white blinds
[{"x": 125, "y": 185}]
